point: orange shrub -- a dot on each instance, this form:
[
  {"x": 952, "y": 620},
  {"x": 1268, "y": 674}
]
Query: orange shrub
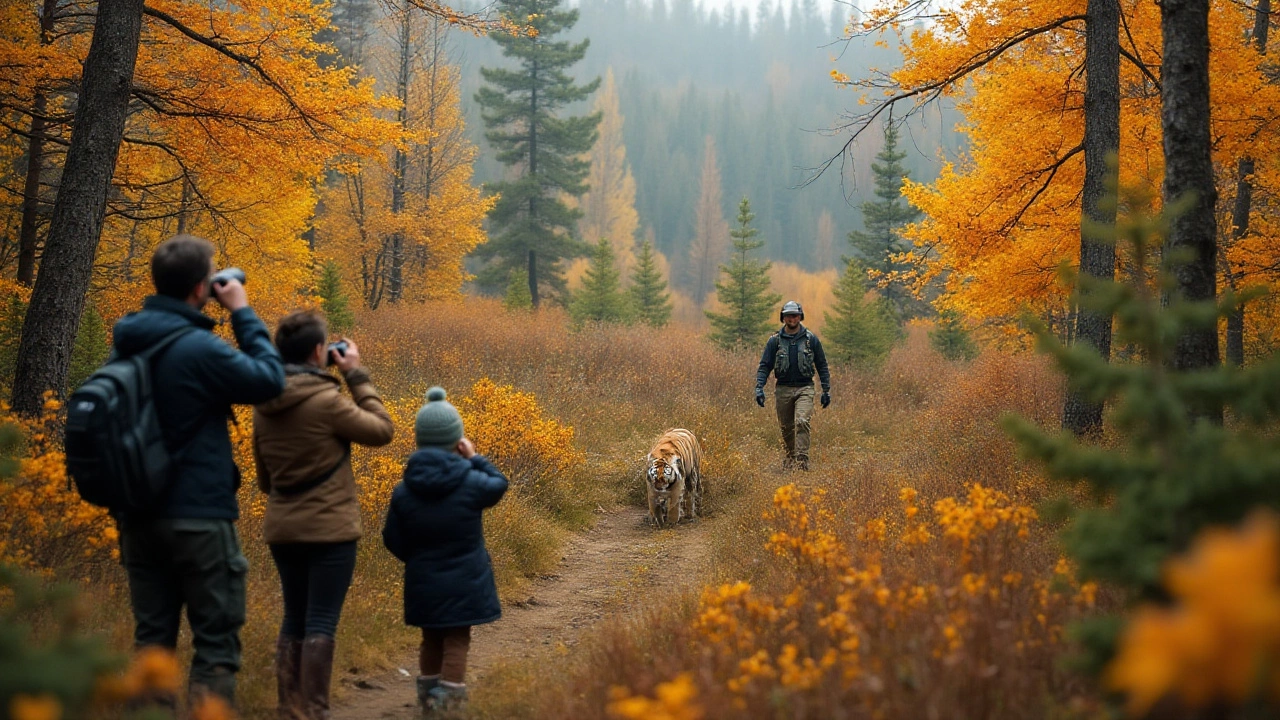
[
  {"x": 45, "y": 524},
  {"x": 917, "y": 618},
  {"x": 510, "y": 428}
]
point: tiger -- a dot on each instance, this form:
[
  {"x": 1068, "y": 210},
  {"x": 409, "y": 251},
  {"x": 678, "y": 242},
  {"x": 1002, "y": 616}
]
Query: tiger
[{"x": 674, "y": 472}]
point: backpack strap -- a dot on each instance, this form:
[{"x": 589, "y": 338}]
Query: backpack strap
[{"x": 313, "y": 483}]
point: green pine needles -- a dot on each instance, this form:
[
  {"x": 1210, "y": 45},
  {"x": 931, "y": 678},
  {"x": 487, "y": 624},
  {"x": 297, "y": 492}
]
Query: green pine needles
[
  {"x": 333, "y": 299},
  {"x": 745, "y": 293},
  {"x": 880, "y": 243},
  {"x": 532, "y": 226},
  {"x": 601, "y": 298},
  {"x": 648, "y": 292},
  {"x": 861, "y": 329},
  {"x": 1167, "y": 468}
]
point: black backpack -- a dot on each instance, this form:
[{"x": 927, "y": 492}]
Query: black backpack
[{"x": 115, "y": 446}]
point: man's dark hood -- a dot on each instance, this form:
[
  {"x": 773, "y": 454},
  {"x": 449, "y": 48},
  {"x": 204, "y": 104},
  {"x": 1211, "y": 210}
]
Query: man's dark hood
[{"x": 159, "y": 316}]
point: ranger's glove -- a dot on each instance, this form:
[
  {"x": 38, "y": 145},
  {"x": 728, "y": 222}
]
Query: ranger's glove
[
  {"x": 760, "y": 396},
  {"x": 826, "y": 398}
]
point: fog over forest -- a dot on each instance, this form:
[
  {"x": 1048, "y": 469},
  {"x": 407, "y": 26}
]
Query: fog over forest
[
  {"x": 753, "y": 83},
  {"x": 757, "y": 82}
]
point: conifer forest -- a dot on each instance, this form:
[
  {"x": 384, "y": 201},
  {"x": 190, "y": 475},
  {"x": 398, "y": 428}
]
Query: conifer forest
[{"x": 639, "y": 359}]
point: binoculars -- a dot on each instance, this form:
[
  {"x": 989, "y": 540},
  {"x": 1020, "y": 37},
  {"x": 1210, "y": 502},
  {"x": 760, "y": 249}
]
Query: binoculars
[
  {"x": 222, "y": 277},
  {"x": 339, "y": 348}
]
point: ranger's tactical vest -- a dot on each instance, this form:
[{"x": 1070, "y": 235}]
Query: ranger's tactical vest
[{"x": 782, "y": 361}]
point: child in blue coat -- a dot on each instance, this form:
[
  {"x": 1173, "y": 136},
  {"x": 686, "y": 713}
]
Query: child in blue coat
[{"x": 434, "y": 527}]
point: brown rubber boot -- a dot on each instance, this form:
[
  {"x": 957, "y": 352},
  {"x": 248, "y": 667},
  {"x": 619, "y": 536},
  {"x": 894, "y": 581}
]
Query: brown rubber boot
[
  {"x": 317, "y": 670},
  {"x": 289, "y": 678}
]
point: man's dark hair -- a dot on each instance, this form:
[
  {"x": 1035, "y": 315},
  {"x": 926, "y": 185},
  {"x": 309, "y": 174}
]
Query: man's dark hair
[
  {"x": 179, "y": 264},
  {"x": 298, "y": 334}
]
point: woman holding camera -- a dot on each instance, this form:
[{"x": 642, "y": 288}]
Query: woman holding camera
[{"x": 302, "y": 446}]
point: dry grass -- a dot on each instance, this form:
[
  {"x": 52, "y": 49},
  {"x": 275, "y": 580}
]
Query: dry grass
[{"x": 923, "y": 423}]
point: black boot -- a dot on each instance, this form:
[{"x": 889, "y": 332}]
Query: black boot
[
  {"x": 289, "y": 704},
  {"x": 426, "y": 701},
  {"x": 317, "y": 670},
  {"x": 220, "y": 684}
]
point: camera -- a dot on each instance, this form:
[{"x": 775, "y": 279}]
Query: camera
[
  {"x": 339, "y": 347},
  {"x": 222, "y": 277}
]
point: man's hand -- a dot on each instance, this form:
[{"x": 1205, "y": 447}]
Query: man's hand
[
  {"x": 826, "y": 398},
  {"x": 230, "y": 295},
  {"x": 760, "y": 397},
  {"x": 466, "y": 448},
  {"x": 348, "y": 361}
]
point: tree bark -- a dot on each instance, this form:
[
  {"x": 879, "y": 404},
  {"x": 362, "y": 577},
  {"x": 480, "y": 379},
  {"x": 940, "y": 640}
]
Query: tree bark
[
  {"x": 1244, "y": 200},
  {"x": 400, "y": 164},
  {"x": 1101, "y": 142},
  {"x": 28, "y": 240},
  {"x": 1184, "y": 73},
  {"x": 53, "y": 317}
]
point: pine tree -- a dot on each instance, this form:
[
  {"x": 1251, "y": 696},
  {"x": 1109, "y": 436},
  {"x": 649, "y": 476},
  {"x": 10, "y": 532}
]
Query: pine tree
[
  {"x": 91, "y": 348},
  {"x": 877, "y": 245},
  {"x": 333, "y": 300},
  {"x": 861, "y": 330},
  {"x": 518, "y": 297},
  {"x": 745, "y": 293},
  {"x": 601, "y": 298},
  {"x": 649, "y": 297},
  {"x": 531, "y": 220},
  {"x": 950, "y": 338},
  {"x": 1168, "y": 469}
]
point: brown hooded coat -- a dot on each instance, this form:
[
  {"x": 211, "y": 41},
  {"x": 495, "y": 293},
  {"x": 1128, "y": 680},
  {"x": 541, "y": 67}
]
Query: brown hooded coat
[{"x": 304, "y": 434}]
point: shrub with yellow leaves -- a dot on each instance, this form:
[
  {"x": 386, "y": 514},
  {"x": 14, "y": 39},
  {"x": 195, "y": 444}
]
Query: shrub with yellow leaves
[
  {"x": 1219, "y": 642},
  {"x": 674, "y": 700},
  {"x": 914, "y": 617},
  {"x": 45, "y": 524}
]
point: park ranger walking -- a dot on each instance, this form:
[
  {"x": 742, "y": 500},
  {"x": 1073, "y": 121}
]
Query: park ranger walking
[{"x": 794, "y": 354}]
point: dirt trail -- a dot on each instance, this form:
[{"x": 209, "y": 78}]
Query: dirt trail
[{"x": 600, "y": 567}]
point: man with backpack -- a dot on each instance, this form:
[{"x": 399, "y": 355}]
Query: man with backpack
[
  {"x": 793, "y": 355},
  {"x": 185, "y": 550}
]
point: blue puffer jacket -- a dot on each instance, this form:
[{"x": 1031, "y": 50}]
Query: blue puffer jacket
[
  {"x": 196, "y": 381},
  {"x": 434, "y": 526}
]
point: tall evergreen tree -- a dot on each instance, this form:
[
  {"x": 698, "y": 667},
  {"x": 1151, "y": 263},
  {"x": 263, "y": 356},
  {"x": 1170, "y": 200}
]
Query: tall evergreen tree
[
  {"x": 882, "y": 217},
  {"x": 333, "y": 300},
  {"x": 530, "y": 220},
  {"x": 649, "y": 297},
  {"x": 745, "y": 293},
  {"x": 862, "y": 329},
  {"x": 601, "y": 298}
]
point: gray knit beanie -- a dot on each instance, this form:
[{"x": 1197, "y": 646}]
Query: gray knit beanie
[{"x": 438, "y": 424}]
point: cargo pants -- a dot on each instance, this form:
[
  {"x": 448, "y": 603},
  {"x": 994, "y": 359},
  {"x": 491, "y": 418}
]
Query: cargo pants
[
  {"x": 196, "y": 563},
  {"x": 795, "y": 408}
]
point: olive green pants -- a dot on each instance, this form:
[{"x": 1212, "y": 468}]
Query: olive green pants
[
  {"x": 795, "y": 407},
  {"x": 194, "y": 563}
]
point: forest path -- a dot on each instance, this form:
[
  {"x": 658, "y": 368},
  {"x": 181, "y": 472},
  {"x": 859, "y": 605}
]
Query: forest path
[{"x": 600, "y": 571}]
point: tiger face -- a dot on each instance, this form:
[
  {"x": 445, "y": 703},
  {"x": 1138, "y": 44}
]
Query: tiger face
[{"x": 663, "y": 474}]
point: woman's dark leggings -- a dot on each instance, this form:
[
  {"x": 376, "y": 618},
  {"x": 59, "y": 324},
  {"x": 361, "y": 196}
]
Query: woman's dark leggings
[{"x": 314, "y": 578}]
